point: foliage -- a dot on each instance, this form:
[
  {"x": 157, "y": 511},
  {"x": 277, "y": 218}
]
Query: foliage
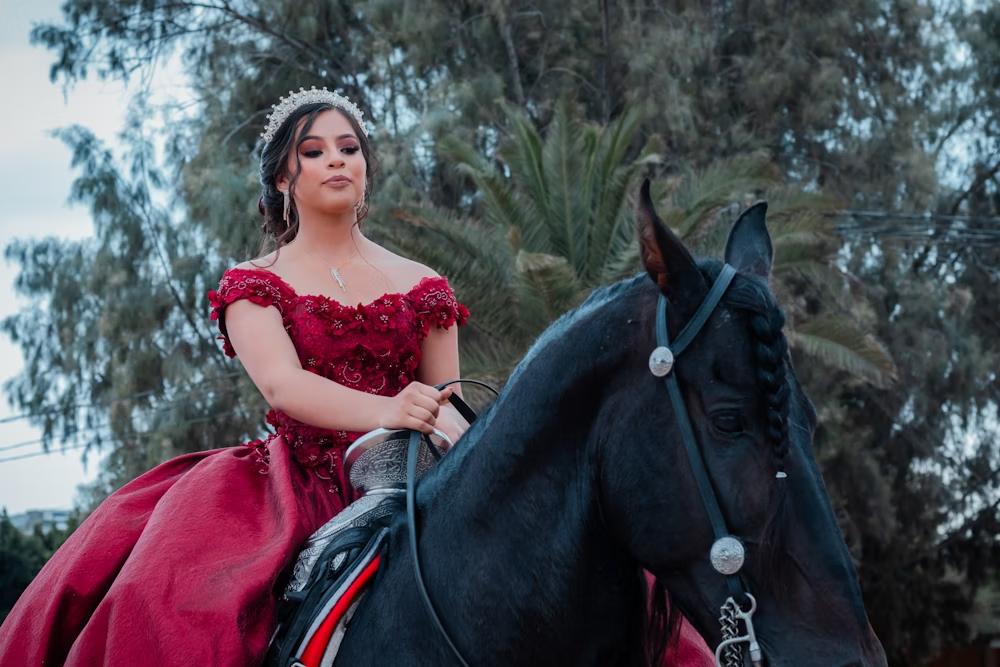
[
  {"x": 511, "y": 137},
  {"x": 22, "y": 555},
  {"x": 122, "y": 353},
  {"x": 549, "y": 221}
]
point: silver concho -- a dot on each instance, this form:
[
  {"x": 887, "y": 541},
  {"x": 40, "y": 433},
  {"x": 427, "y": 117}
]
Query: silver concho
[
  {"x": 661, "y": 361},
  {"x": 727, "y": 555}
]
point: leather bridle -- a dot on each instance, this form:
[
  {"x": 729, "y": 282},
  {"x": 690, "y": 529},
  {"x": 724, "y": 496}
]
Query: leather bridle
[{"x": 727, "y": 554}]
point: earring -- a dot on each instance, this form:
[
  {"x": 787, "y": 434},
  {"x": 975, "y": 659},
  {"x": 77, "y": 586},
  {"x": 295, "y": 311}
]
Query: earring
[{"x": 288, "y": 201}]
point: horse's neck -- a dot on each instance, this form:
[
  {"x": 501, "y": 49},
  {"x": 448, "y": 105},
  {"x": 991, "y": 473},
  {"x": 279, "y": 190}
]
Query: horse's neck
[{"x": 513, "y": 523}]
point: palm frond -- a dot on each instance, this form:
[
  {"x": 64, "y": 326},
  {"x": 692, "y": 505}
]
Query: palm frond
[
  {"x": 549, "y": 282},
  {"x": 522, "y": 154},
  {"x": 840, "y": 345},
  {"x": 698, "y": 195},
  {"x": 564, "y": 155}
]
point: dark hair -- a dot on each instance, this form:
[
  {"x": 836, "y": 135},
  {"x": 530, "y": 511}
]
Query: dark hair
[{"x": 274, "y": 161}]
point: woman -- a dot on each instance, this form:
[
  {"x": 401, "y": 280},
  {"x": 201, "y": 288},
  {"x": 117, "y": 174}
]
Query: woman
[{"x": 182, "y": 565}]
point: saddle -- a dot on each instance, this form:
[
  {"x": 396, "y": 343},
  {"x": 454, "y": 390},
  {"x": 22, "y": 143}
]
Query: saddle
[
  {"x": 328, "y": 582},
  {"x": 340, "y": 559}
]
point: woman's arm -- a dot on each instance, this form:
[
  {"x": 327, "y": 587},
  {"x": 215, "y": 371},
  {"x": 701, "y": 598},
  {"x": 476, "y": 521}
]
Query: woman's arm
[
  {"x": 439, "y": 363},
  {"x": 268, "y": 355}
]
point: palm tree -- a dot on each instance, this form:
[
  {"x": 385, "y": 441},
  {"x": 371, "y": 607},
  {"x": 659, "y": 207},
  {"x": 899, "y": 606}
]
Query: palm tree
[
  {"x": 554, "y": 222},
  {"x": 552, "y": 219}
]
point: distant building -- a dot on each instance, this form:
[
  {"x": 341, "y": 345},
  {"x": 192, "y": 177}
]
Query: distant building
[{"x": 46, "y": 519}]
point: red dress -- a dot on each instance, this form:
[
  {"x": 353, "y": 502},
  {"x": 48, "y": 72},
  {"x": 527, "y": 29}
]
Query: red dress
[{"x": 180, "y": 566}]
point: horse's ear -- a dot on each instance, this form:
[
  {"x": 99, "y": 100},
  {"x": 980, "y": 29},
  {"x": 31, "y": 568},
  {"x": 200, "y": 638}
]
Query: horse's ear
[
  {"x": 749, "y": 246},
  {"x": 667, "y": 261}
]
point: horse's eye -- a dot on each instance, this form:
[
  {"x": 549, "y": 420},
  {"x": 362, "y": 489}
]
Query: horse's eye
[{"x": 728, "y": 422}]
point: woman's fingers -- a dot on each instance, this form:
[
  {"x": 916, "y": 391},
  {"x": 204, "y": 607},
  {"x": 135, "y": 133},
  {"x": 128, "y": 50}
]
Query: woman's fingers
[
  {"x": 422, "y": 414},
  {"x": 423, "y": 418},
  {"x": 427, "y": 403},
  {"x": 420, "y": 405},
  {"x": 415, "y": 424}
]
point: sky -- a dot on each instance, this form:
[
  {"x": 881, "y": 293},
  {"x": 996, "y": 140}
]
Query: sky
[{"x": 35, "y": 180}]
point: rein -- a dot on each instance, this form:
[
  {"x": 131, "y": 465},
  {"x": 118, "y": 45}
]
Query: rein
[{"x": 412, "y": 451}]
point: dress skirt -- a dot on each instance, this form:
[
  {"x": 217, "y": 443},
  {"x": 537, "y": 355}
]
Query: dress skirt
[{"x": 182, "y": 566}]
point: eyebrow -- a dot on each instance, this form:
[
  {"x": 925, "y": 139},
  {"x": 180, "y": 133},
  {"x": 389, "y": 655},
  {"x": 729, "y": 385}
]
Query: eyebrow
[{"x": 313, "y": 136}]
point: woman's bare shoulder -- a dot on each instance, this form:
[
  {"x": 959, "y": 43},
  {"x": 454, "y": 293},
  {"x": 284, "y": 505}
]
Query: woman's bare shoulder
[
  {"x": 271, "y": 261},
  {"x": 267, "y": 261},
  {"x": 404, "y": 271}
]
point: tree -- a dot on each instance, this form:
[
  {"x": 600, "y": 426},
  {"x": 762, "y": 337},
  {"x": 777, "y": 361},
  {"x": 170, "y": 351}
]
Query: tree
[
  {"x": 21, "y": 556},
  {"x": 552, "y": 219},
  {"x": 817, "y": 107}
]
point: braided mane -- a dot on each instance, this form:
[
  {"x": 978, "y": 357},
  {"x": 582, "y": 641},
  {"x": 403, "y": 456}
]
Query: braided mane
[{"x": 770, "y": 348}]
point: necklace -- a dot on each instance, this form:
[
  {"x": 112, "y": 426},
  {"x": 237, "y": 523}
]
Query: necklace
[
  {"x": 336, "y": 276},
  {"x": 336, "y": 270}
]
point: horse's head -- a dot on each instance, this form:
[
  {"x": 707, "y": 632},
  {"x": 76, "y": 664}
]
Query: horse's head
[{"x": 753, "y": 426}]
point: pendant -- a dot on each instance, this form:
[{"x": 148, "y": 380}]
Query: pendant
[{"x": 336, "y": 276}]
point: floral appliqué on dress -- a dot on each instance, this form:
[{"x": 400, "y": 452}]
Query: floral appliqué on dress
[{"x": 372, "y": 347}]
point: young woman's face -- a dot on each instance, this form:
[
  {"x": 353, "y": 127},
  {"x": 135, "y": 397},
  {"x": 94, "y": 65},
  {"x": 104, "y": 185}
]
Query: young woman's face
[{"x": 332, "y": 179}]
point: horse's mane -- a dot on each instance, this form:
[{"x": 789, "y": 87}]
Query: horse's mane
[
  {"x": 752, "y": 296},
  {"x": 558, "y": 329},
  {"x": 552, "y": 335}
]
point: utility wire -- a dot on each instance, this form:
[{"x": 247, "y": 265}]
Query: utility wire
[
  {"x": 922, "y": 227},
  {"x": 34, "y": 454},
  {"x": 123, "y": 399},
  {"x": 921, "y": 217},
  {"x": 163, "y": 406},
  {"x": 139, "y": 437},
  {"x": 28, "y": 443}
]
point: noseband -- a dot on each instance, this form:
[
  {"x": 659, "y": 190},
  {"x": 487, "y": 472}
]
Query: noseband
[{"x": 727, "y": 554}]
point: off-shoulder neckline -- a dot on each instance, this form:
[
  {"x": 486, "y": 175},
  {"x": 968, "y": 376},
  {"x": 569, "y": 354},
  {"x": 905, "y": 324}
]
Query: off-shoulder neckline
[{"x": 287, "y": 286}]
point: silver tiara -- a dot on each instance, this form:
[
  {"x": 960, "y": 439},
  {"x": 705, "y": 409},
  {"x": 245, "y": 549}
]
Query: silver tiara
[{"x": 286, "y": 105}]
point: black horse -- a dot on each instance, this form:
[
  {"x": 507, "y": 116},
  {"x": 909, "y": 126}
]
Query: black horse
[{"x": 535, "y": 529}]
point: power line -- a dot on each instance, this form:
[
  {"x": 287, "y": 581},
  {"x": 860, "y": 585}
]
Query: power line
[
  {"x": 34, "y": 454},
  {"x": 164, "y": 406},
  {"x": 949, "y": 238},
  {"x": 116, "y": 401},
  {"x": 139, "y": 437},
  {"x": 28, "y": 443},
  {"x": 932, "y": 228},
  {"x": 922, "y": 217}
]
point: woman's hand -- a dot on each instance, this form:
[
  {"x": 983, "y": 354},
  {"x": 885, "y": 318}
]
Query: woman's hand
[
  {"x": 416, "y": 407},
  {"x": 451, "y": 423}
]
